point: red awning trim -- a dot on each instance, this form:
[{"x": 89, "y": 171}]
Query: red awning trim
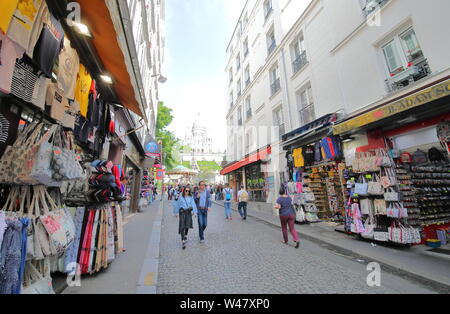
[{"x": 247, "y": 161}]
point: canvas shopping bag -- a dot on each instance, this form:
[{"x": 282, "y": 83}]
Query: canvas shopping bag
[
  {"x": 374, "y": 187},
  {"x": 361, "y": 187}
]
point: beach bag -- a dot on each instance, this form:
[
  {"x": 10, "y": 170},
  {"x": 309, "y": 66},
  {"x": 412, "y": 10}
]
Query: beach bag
[
  {"x": 385, "y": 180},
  {"x": 59, "y": 226},
  {"x": 380, "y": 207},
  {"x": 310, "y": 197},
  {"x": 311, "y": 208},
  {"x": 403, "y": 212},
  {"x": 381, "y": 234},
  {"x": 42, "y": 170},
  {"x": 366, "y": 206},
  {"x": 393, "y": 211},
  {"x": 369, "y": 228},
  {"x": 391, "y": 196},
  {"x": 374, "y": 187},
  {"x": 36, "y": 282},
  {"x": 300, "y": 214},
  {"x": 361, "y": 187}
]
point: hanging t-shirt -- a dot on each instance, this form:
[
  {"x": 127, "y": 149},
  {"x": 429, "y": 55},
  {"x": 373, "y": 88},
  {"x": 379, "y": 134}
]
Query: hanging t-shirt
[
  {"x": 40, "y": 91},
  {"x": 9, "y": 53},
  {"x": 299, "y": 160},
  {"x": 6, "y": 13},
  {"x": 24, "y": 79},
  {"x": 57, "y": 101},
  {"x": 84, "y": 82},
  {"x": 69, "y": 65},
  {"x": 308, "y": 153},
  {"x": 27, "y": 23},
  {"x": 49, "y": 45},
  {"x": 9, "y": 125}
]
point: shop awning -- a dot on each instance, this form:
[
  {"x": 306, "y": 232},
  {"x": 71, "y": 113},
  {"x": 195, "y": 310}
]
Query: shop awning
[
  {"x": 310, "y": 132},
  {"x": 260, "y": 155},
  {"x": 435, "y": 92}
]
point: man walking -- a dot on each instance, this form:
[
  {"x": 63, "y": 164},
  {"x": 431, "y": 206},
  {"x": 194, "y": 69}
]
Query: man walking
[
  {"x": 243, "y": 201},
  {"x": 228, "y": 196},
  {"x": 203, "y": 202}
]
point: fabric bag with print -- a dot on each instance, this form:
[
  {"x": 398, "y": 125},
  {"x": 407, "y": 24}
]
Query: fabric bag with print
[
  {"x": 35, "y": 282},
  {"x": 361, "y": 187},
  {"x": 380, "y": 207},
  {"x": 392, "y": 196},
  {"x": 374, "y": 187},
  {"x": 366, "y": 206}
]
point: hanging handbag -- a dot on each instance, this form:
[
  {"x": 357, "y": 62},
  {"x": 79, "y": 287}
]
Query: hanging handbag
[
  {"x": 311, "y": 208},
  {"x": 391, "y": 196},
  {"x": 42, "y": 169},
  {"x": 310, "y": 197},
  {"x": 366, "y": 206},
  {"x": 381, "y": 234},
  {"x": 35, "y": 282},
  {"x": 361, "y": 187},
  {"x": 369, "y": 227},
  {"x": 380, "y": 207},
  {"x": 385, "y": 181},
  {"x": 65, "y": 162},
  {"x": 374, "y": 187},
  {"x": 300, "y": 215},
  {"x": 392, "y": 211}
]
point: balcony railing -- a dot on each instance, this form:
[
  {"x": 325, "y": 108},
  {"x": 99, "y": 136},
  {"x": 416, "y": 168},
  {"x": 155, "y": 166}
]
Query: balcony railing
[
  {"x": 239, "y": 93},
  {"x": 415, "y": 72},
  {"x": 271, "y": 48},
  {"x": 247, "y": 82},
  {"x": 307, "y": 114},
  {"x": 300, "y": 62},
  {"x": 372, "y": 5},
  {"x": 275, "y": 86},
  {"x": 245, "y": 53}
]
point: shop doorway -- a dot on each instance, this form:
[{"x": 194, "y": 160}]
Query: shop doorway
[{"x": 133, "y": 188}]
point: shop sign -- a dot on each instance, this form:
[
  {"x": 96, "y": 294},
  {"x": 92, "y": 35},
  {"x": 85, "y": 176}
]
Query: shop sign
[
  {"x": 416, "y": 100},
  {"x": 160, "y": 174}
]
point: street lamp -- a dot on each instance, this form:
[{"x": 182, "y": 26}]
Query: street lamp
[{"x": 161, "y": 79}]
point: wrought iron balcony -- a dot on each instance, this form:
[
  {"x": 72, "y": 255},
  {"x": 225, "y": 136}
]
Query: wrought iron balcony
[
  {"x": 275, "y": 87},
  {"x": 300, "y": 62},
  {"x": 416, "y": 71}
]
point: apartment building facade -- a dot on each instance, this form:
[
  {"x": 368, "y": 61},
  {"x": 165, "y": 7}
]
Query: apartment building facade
[{"x": 293, "y": 63}]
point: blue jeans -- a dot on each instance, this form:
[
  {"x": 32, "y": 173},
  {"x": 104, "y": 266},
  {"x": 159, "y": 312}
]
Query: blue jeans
[
  {"x": 242, "y": 207},
  {"x": 228, "y": 210},
  {"x": 202, "y": 222}
]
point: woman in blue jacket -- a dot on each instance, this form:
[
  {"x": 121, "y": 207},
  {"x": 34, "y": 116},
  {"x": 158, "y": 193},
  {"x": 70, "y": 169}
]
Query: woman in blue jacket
[{"x": 186, "y": 208}]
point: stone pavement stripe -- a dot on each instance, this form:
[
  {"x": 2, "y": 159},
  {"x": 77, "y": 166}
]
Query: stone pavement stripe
[
  {"x": 418, "y": 278},
  {"x": 148, "y": 278}
]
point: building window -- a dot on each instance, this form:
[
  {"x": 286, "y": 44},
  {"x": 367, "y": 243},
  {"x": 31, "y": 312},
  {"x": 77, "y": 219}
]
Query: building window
[
  {"x": 248, "y": 107},
  {"x": 278, "y": 120},
  {"x": 271, "y": 42},
  {"x": 231, "y": 100},
  {"x": 238, "y": 62},
  {"x": 231, "y": 75},
  {"x": 370, "y": 6},
  {"x": 305, "y": 102},
  {"x": 275, "y": 84},
  {"x": 405, "y": 60},
  {"x": 245, "y": 20},
  {"x": 239, "y": 88},
  {"x": 267, "y": 9},
  {"x": 298, "y": 51},
  {"x": 239, "y": 116},
  {"x": 247, "y": 76},
  {"x": 246, "y": 48}
]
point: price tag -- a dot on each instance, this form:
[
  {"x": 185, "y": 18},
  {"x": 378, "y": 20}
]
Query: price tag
[
  {"x": 57, "y": 152},
  {"x": 355, "y": 195},
  {"x": 369, "y": 176},
  {"x": 352, "y": 179}
]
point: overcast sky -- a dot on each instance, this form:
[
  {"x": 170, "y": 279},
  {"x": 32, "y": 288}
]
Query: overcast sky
[{"x": 197, "y": 35}]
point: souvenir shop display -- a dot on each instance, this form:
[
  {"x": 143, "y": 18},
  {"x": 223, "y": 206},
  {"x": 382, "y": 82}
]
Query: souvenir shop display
[
  {"x": 380, "y": 203},
  {"x": 53, "y": 126}
]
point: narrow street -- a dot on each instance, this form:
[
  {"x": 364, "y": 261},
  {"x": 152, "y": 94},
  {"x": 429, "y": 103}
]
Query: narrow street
[{"x": 249, "y": 258}]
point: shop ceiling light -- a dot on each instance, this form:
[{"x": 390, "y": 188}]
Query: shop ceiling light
[
  {"x": 348, "y": 139},
  {"x": 82, "y": 29},
  {"x": 107, "y": 79}
]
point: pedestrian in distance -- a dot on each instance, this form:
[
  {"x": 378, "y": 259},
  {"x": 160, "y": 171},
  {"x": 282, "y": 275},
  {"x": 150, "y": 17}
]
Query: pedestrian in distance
[
  {"x": 186, "y": 209},
  {"x": 203, "y": 201},
  {"x": 176, "y": 195},
  {"x": 243, "y": 202},
  {"x": 287, "y": 217},
  {"x": 228, "y": 198}
]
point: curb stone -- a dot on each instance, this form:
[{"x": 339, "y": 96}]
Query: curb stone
[{"x": 148, "y": 279}]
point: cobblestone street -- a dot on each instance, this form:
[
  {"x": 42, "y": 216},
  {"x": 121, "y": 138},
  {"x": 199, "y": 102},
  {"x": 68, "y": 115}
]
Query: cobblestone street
[{"x": 248, "y": 257}]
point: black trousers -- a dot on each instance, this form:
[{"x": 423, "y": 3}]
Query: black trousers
[{"x": 184, "y": 234}]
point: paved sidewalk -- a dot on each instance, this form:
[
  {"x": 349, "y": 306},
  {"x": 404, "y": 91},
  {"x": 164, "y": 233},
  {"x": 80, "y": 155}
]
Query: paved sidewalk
[
  {"x": 124, "y": 275},
  {"x": 414, "y": 262}
]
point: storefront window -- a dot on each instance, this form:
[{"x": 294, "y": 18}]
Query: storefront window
[{"x": 255, "y": 183}]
